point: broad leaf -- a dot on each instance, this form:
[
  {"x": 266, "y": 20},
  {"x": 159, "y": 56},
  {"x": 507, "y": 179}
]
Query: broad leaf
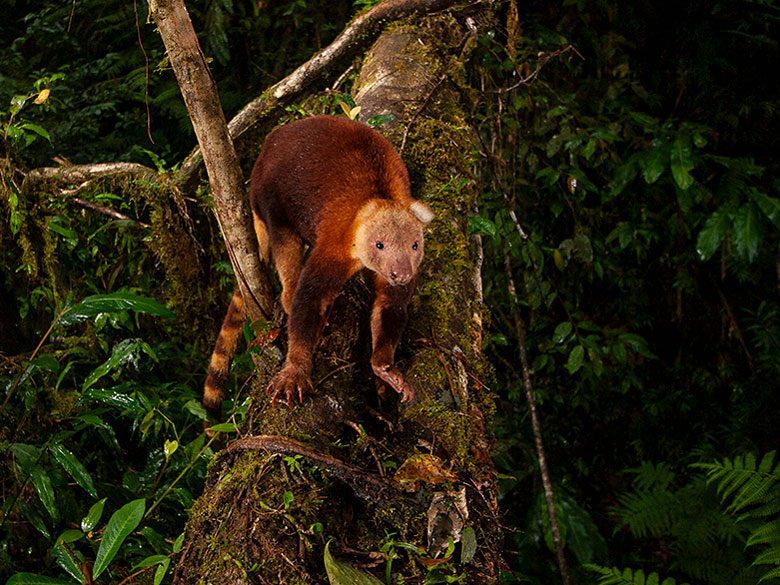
[
  {"x": 126, "y": 351},
  {"x": 160, "y": 572},
  {"x": 653, "y": 163},
  {"x": 42, "y": 484},
  {"x": 468, "y": 543},
  {"x": 712, "y": 234},
  {"x": 74, "y": 468},
  {"x": 562, "y": 332},
  {"x": 69, "y": 560},
  {"x": 576, "y": 359},
  {"x": 770, "y": 206},
  {"x": 682, "y": 162},
  {"x": 93, "y": 516},
  {"x": 113, "y": 303},
  {"x": 119, "y": 527},
  {"x": 482, "y": 225},
  {"x": 747, "y": 232},
  {"x": 343, "y": 574}
]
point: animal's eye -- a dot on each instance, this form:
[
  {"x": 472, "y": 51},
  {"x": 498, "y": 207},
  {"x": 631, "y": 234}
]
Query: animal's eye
[
  {"x": 414, "y": 246},
  {"x": 379, "y": 245}
]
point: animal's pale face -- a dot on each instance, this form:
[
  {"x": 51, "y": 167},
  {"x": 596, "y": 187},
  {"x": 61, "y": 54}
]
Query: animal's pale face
[{"x": 390, "y": 242}]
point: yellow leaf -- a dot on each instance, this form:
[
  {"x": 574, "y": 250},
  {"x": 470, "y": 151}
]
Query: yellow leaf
[
  {"x": 558, "y": 259},
  {"x": 43, "y": 95}
]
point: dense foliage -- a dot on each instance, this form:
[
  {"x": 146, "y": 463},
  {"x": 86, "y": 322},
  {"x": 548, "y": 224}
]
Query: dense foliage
[
  {"x": 644, "y": 245},
  {"x": 631, "y": 198}
]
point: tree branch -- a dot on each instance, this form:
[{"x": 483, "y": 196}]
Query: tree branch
[
  {"x": 358, "y": 35},
  {"x": 72, "y": 174},
  {"x": 219, "y": 154}
]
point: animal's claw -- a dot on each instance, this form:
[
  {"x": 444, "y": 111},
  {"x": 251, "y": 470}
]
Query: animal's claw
[
  {"x": 395, "y": 379},
  {"x": 289, "y": 382}
]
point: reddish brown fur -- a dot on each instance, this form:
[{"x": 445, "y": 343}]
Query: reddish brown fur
[{"x": 339, "y": 187}]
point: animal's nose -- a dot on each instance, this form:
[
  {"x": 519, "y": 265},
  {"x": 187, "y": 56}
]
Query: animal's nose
[{"x": 397, "y": 278}]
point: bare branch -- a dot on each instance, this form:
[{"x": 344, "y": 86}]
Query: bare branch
[
  {"x": 549, "y": 494},
  {"x": 78, "y": 174},
  {"x": 227, "y": 184}
]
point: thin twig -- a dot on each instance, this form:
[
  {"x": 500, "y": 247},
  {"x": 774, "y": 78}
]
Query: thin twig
[
  {"x": 544, "y": 58},
  {"x": 106, "y": 211},
  {"x": 146, "y": 69},
  {"x": 549, "y": 494}
]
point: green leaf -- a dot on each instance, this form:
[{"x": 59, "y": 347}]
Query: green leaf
[
  {"x": 42, "y": 484},
  {"x": 380, "y": 119},
  {"x": 93, "y": 516},
  {"x": 159, "y": 574},
  {"x": 747, "y": 232},
  {"x": 653, "y": 163},
  {"x": 576, "y": 359},
  {"x": 114, "y": 397},
  {"x": 770, "y": 206},
  {"x": 682, "y": 162},
  {"x": 30, "y": 579},
  {"x": 150, "y": 561},
  {"x": 195, "y": 407},
  {"x": 468, "y": 543},
  {"x": 343, "y": 574},
  {"x": 69, "y": 561},
  {"x": 644, "y": 119},
  {"x": 119, "y": 527},
  {"x": 712, "y": 234},
  {"x": 113, "y": 303},
  {"x": 482, "y": 225},
  {"x": 74, "y": 468},
  {"x": 223, "y": 428},
  {"x": 562, "y": 331},
  {"x": 37, "y": 129},
  {"x": 170, "y": 447},
  {"x": 70, "y": 535},
  {"x": 177, "y": 544},
  {"x": 26, "y": 455},
  {"x": 124, "y": 352}
]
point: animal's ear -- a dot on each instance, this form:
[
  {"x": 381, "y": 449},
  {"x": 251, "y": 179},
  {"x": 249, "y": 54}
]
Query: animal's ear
[{"x": 421, "y": 211}]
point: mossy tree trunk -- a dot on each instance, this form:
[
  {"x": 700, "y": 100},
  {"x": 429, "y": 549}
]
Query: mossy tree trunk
[{"x": 374, "y": 474}]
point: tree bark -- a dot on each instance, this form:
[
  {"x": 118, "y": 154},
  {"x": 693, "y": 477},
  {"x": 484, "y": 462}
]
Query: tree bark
[
  {"x": 377, "y": 476},
  {"x": 219, "y": 155}
]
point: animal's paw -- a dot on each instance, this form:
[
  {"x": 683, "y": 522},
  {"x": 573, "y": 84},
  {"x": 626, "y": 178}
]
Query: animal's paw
[
  {"x": 395, "y": 379},
  {"x": 289, "y": 383}
]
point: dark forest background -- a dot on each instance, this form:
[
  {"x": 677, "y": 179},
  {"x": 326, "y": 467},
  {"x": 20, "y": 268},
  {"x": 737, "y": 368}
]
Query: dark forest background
[{"x": 630, "y": 195}]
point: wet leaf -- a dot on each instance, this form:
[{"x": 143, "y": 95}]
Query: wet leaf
[
  {"x": 340, "y": 573},
  {"x": 119, "y": 527}
]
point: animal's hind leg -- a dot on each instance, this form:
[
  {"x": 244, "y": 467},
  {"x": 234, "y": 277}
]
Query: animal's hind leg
[
  {"x": 261, "y": 232},
  {"x": 287, "y": 250}
]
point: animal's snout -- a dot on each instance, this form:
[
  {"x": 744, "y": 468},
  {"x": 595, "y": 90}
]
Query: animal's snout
[{"x": 399, "y": 278}]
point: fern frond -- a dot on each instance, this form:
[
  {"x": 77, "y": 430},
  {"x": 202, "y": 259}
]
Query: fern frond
[
  {"x": 749, "y": 483},
  {"x": 614, "y": 576},
  {"x": 754, "y": 490},
  {"x": 652, "y": 476},
  {"x": 770, "y": 556},
  {"x": 773, "y": 574},
  {"x": 768, "y": 533},
  {"x": 648, "y": 513}
]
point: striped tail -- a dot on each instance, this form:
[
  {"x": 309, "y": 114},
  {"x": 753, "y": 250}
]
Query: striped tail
[{"x": 219, "y": 367}]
